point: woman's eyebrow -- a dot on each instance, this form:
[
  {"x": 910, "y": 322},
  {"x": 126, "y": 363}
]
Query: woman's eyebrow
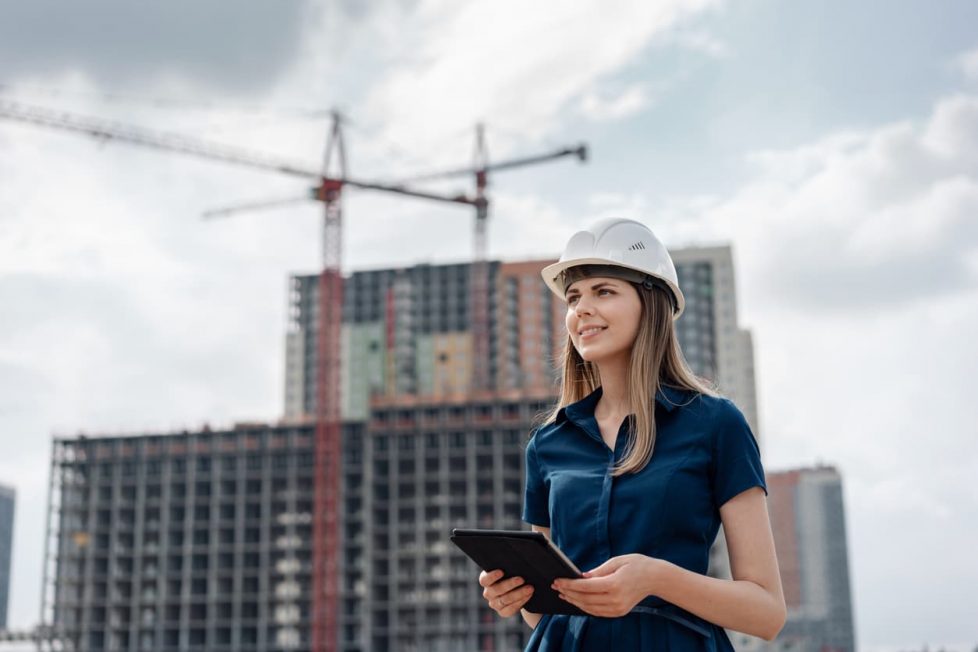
[{"x": 593, "y": 287}]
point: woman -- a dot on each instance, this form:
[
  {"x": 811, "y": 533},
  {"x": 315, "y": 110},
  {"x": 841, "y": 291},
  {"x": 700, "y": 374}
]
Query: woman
[{"x": 635, "y": 488}]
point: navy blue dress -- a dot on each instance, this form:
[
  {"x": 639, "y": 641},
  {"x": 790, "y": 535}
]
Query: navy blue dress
[{"x": 704, "y": 455}]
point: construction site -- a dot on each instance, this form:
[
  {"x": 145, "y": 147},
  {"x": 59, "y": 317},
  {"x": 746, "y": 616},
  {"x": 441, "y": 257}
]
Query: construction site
[
  {"x": 205, "y": 540},
  {"x": 409, "y": 395}
]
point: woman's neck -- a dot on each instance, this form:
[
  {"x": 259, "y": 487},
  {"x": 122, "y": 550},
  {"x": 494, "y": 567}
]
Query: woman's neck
[{"x": 614, "y": 390}]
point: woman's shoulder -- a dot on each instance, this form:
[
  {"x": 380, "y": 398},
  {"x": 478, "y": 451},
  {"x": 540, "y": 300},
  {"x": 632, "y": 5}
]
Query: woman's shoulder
[
  {"x": 714, "y": 408},
  {"x": 543, "y": 432}
]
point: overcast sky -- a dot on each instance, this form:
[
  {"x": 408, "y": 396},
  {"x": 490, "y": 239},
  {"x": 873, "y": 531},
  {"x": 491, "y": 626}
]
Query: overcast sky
[{"x": 833, "y": 144}]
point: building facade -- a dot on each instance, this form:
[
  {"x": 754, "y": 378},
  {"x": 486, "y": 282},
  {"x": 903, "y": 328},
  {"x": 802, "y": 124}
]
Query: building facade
[
  {"x": 203, "y": 540},
  {"x": 429, "y": 467},
  {"x": 8, "y": 498},
  {"x": 187, "y": 541},
  {"x": 808, "y": 520},
  {"x": 406, "y": 331},
  {"x": 709, "y": 330}
]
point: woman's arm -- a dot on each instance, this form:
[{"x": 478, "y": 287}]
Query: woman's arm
[
  {"x": 753, "y": 602},
  {"x": 531, "y": 618}
]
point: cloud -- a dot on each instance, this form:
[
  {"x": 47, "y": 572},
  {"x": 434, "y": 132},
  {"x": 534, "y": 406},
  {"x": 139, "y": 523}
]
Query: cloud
[
  {"x": 466, "y": 62},
  {"x": 617, "y": 204},
  {"x": 698, "y": 41},
  {"x": 966, "y": 64},
  {"x": 601, "y": 108},
  {"x": 856, "y": 259},
  {"x": 858, "y": 221},
  {"x": 210, "y": 44}
]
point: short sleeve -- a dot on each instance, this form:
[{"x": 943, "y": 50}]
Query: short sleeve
[
  {"x": 536, "y": 495},
  {"x": 736, "y": 456}
]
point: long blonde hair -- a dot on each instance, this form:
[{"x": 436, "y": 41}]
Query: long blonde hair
[{"x": 656, "y": 360}]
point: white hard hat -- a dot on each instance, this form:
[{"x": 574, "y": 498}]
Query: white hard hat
[{"x": 619, "y": 243}]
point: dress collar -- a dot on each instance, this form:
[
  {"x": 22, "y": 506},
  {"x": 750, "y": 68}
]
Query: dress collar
[{"x": 669, "y": 398}]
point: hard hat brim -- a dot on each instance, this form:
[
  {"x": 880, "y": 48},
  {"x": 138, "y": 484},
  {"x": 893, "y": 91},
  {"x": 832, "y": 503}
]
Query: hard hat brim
[{"x": 551, "y": 274}]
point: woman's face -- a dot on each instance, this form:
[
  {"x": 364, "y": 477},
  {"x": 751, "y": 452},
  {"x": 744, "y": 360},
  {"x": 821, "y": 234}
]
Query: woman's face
[{"x": 602, "y": 317}]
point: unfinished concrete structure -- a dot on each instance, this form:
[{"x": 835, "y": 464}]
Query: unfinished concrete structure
[
  {"x": 406, "y": 331},
  {"x": 202, "y": 540}
]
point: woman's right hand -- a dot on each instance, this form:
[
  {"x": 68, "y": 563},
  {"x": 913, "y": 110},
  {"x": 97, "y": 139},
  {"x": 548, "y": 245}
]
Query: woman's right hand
[{"x": 505, "y": 597}]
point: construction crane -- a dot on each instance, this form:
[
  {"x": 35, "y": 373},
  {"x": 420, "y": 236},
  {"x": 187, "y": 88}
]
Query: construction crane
[
  {"x": 328, "y": 190},
  {"x": 482, "y": 378}
]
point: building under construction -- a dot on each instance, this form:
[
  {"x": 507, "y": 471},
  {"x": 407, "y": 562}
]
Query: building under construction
[
  {"x": 204, "y": 540},
  {"x": 407, "y": 332}
]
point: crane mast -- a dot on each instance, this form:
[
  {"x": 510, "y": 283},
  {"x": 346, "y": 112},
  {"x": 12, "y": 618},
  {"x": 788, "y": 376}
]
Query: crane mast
[
  {"x": 482, "y": 372},
  {"x": 328, "y": 447},
  {"x": 326, "y": 503}
]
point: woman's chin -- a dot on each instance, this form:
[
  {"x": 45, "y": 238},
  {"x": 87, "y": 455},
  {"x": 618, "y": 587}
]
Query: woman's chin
[
  {"x": 597, "y": 355},
  {"x": 591, "y": 355}
]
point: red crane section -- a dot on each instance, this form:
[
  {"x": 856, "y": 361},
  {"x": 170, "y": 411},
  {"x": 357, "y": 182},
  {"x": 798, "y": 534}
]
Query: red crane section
[
  {"x": 329, "y": 443},
  {"x": 329, "y": 446}
]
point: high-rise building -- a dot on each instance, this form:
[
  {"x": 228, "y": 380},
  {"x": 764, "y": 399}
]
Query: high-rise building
[
  {"x": 203, "y": 540},
  {"x": 187, "y": 541},
  {"x": 429, "y": 467},
  {"x": 808, "y": 521},
  {"x": 406, "y": 331},
  {"x": 7, "y": 500},
  {"x": 709, "y": 330}
]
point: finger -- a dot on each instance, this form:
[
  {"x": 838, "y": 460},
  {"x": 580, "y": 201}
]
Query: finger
[
  {"x": 500, "y": 589},
  {"x": 504, "y": 586},
  {"x": 504, "y": 599},
  {"x": 497, "y": 589},
  {"x": 596, "y": 585},
  {"x": 575, "y": 601},
  {"x": 499, "y": 604},
  {"x": 582, "y": 595},
  {"x": 514, "y": 608},
  {"x": 490, "y": 578},
  {"x": 606, "y": 568},
  {"x": 519, "y": 598},
  {"x": 512, "y": 595},
  {"x": 590, "y": 601}
]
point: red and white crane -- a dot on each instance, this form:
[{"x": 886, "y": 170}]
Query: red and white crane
[{"x": 328, "y": 189}]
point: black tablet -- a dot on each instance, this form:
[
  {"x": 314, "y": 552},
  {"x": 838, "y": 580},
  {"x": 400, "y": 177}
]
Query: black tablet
[{"x": 530, "y": 555}]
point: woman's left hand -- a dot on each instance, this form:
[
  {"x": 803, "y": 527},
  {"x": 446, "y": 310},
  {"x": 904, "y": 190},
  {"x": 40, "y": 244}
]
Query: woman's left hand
[{"x": 613, "y": 588}]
